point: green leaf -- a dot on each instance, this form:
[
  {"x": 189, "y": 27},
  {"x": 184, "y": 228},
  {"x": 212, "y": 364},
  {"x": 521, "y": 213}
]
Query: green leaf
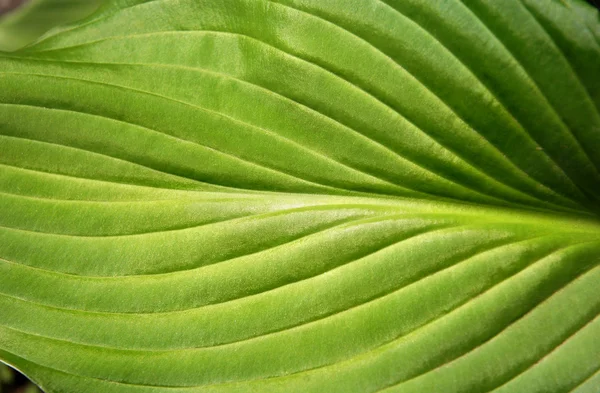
[
  {"x": 304, "y": 196},
  {"x": 31, "y": 389}
]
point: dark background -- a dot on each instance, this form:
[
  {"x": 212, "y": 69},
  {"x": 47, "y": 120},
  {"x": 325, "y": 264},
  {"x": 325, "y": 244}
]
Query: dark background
[
  {"x": 13, "y": 382},
  {"x": 7, "y": 5}
]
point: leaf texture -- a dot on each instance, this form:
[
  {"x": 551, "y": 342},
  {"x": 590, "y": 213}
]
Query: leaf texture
[{"x": 304, "y": 196}]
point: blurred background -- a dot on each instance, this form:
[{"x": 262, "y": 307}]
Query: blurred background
[
  {"x": 6, "y": 5},
  {"x": 13, "y": 382},
  {"x": 24, "y": 21}
]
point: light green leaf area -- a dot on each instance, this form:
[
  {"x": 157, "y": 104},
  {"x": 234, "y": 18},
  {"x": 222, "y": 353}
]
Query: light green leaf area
[
  {"x": 27, "y": 23},
  {"x": 304, "y": 196}
]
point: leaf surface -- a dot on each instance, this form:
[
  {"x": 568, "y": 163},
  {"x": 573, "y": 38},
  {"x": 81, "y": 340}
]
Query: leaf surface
[{"x": 305, "y": 196}]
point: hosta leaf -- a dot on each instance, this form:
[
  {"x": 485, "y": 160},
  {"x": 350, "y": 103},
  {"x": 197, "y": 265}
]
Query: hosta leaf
[{"x": 306, "y": 196}]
